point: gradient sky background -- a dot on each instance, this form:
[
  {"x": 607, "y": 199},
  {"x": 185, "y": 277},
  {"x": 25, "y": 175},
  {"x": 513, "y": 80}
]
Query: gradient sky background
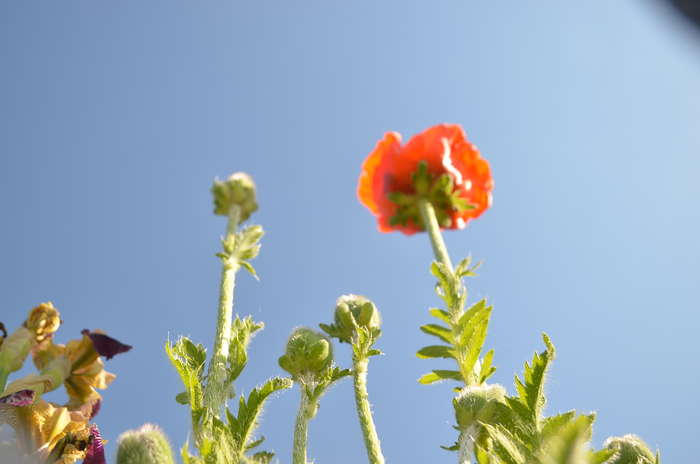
[{"x": 116, "y": 116}]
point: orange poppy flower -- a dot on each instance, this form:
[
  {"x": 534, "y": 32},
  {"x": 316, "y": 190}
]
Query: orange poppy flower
[{"x": 439, "y": 164}]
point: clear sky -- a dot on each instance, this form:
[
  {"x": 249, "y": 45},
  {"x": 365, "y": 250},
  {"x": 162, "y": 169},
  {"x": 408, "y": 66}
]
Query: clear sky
[{"x": 116, "y": 116}]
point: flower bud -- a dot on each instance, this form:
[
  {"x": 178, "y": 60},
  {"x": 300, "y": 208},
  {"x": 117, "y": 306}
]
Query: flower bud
[
  {"x": 43, "y": 321},
  {"x": 239, "y": 189},
  {"x": 147, "y": 445},
  {"x": 478, "y": 403},
  {"x": 630, "y": 450},
  {"x": 308, "y": 353},
  {"x": 351, "y": 312}
]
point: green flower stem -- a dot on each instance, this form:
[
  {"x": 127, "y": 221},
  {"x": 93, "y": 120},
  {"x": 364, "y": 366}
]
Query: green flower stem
[
  {"x": 4, "y": 374},
  {"x": 215, "y": 391},
  {"x": 465, "y": 448},
  {"x": 427, "y": 213},
  {"x": 301, "y": 427},
  {"x": 374, "y": 451},
  {"x": 13, "y": 352}
]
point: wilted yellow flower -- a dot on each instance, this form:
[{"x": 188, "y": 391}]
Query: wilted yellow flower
[{"x": 43, "y": 321}]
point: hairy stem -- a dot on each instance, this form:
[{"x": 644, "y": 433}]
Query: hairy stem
[
  {"x": 301, "y": 427},
  {"x": 369, "y": 432},
  {"x": 427, "y": 213},
  {"x": 466, "y": 447},
  {"x": 215, "y": 391}
]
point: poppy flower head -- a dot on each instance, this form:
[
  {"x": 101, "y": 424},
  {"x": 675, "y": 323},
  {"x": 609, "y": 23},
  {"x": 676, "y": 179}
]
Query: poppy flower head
[{"x": 439, "y": 165}]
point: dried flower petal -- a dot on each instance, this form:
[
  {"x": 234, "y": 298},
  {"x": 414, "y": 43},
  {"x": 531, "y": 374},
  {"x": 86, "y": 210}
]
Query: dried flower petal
[
  {"x": 20, "y": 398},
  {"x": 105, "y": 345},
  {"x": 95, "y": 451}
]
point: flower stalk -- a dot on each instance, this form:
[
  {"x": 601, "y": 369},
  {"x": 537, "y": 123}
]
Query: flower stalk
[
  {"x": 357, "y": 322},
  {"x": 301, "y": 427},
  {"x": 215, "y": 390},
  {"x": 364, "y": 412},
  {"x": 430, "y": 221}
]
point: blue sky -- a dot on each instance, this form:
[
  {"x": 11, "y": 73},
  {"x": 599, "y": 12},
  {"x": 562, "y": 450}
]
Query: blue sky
[{"x": 116, "y": 116}]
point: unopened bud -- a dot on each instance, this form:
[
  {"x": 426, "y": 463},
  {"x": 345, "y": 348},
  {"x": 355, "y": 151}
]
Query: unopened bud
[
  {"x": 308, "y": 353},
  {"x": 478, "y": 403},
  {"x": 351, "y": 313},
  {"x": 147, "y": 445},
  {"x": 239, "y": 189},
  {"x": 43, "y": 321},
  {"x": 630, "y": 449}
]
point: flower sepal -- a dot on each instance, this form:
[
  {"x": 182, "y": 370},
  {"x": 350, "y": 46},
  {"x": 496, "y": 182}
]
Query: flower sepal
[{"x": 438, "y": 190}]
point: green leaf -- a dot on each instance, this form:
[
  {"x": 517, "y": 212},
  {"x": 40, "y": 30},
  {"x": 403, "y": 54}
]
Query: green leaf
[
  {"x": 472, "y": 327},
  {"x": 600, "y": 456},
  {"x": 506, "y": 445},
  {"x": 249, "y": 267},
  {"x": 570, "y": 444},
  {"x": 242, "y": 426},
  {"x": 242, "y": 332},
  {"x": 439, "y": 375},
  {"x": 189, "y": 359},
  {"x": 441, "y": 314},
  {"x": 254, "y": 444},
  {"x": 552, "y": 425},
  {"x": 182, "y": 398},
  {"x": 487, "y": 369},
  {"x": 435, "y": 351},
  {"x": 443, "y": 333},
  {"x": 262, "y": 457},
  {"x": 531, "y": 388},
  {"x": 454, "y": 447}
]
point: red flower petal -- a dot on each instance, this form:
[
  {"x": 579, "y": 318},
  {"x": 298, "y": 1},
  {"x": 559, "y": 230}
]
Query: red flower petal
[{"x": 445, "y": 150}]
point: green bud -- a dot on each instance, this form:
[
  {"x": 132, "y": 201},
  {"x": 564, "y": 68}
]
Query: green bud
[
  {"x": 478, "y": 403},
  {"x": 147, "y": 445},
  {"x": 353, "y": 312},
  {"x": 308, "y": 353},
  {"x": 630, "y": 450},
  {"x": 239, "y": 189}
]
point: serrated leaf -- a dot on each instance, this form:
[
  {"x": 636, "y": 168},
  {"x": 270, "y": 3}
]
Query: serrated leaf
[
  {"x": 242, "y": 426},
  {"x": 441, "y": 314},
  {"x": 552, "y": 425},
  {"x": 600, "y": 456},
  {"x": 254, "y": 444},
  {"x": 439, "y": 375},
  {"x": 435, "y": 351},
  {"x": 242, "y": 332},
  {"x": 506, "y": 445},
  {"x": 531, "y": 388},
  {"x": 570, "y": 444},
  {"x": 487, "y": 369},
  {"x": 472, "y": 327},
  {"x": 262, "y": 457},
  {"x": 188, "y": 360},
  {"x": 443, "y": 333},
  {"x": 454, "y": 447}
]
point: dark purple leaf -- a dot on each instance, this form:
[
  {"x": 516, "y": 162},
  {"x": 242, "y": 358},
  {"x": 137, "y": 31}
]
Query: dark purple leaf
[{"x": 105, "y": 345}]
